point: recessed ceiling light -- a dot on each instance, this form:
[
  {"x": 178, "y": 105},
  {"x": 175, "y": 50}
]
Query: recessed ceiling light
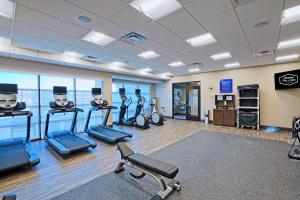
[
  {"x": 73, "y": 54},
  {"x": 261, "y": 24},
  {"x": 149, "y": 54},
  {"x": 201, "y": 40},
  {"x": 291, "y": 15},
  {"x": 289, "y": 43},
  {"x": 146, "y": 70},
  {"x": 230, "y": 65},
  {"x": 156, "y": 9},
  {"x": 98, "y": 38},
  {"x": 287, "y": 57},
  {"x": 176, "y": 64},
  {"x": 6, "y": 8},
  {"x": 83, "y": 19},
  {"x": 117, "y": 64},
  {"x": 221, "y": 56},
  {"x": 193, "y": 70}
]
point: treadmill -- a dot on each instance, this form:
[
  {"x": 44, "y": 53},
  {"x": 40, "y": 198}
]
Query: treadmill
[
  {"x": 15, "y": 152},
  {"x": 8, "y": 197},
  {"x": 65, "y": 142},
  {"x": 103, "y": 132}
]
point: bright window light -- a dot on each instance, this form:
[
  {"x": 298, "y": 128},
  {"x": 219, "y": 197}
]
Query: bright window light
[
  {"x": 229, "y": 65},
  {"x": 291, "y": 15},
  {"x": 73, "y": 54},
  {"x": 117, "y": 64},
  {"x": 98, "y": 38},
  {"x": 287, "y": 57},
  {"x": 221, "y": 56},
  {"x": 289, "y": 43},
  {"x": 6, "y": 8},
  {"x": 176, "y": 64},
  {"x": 193, "y": 70},
  {"x": 156, "y": 9},
  {"x": 201, "y": 40},
  {"x": 148, "y": 54}
]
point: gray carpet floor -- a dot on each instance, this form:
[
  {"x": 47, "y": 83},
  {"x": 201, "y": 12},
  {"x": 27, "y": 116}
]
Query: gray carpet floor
[{"x": 213, "y": 166}]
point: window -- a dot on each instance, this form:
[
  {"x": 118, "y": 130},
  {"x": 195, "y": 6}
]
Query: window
[
  {"x": 130, "y": 93},
  {"x": 59, "y": 121},
  {"x": 28, "y": 93},
  {"x": 83, "y": 99}
]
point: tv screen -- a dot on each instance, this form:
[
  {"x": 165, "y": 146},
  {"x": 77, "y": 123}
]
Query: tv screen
[
  {"x": 59, "y": 90},
  {"x": 96, "y": 91},
  {"x": 8, "y": 88},
  {"x": 287, "y": 80},
  {"x": 226, "y": 86}
]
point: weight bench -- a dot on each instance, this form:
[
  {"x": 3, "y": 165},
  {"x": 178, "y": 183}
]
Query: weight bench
[
  {"x": 149, "y": 166},
  {"x": 8, "y": 197}
]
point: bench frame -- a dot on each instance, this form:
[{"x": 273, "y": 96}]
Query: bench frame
[{"x": 165, "y": 189}]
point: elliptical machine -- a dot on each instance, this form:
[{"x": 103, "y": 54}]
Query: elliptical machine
[
  {"x": 139, "y": 120},
  {"x": 157, "y": 117}
]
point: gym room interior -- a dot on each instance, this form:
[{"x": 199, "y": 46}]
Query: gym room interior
[{"x": 149, "y": 99}]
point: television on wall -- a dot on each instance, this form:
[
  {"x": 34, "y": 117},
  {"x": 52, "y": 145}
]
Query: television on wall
[
  {"x": 287, "y": 80},
  {"x": 226, "y": 86}
]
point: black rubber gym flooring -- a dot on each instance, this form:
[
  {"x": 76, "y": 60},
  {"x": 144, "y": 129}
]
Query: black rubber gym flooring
[{"x": 212, "y": 166}]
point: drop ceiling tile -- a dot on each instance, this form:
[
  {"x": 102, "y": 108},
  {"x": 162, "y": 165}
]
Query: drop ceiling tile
[
  {"x": 185, "y": 1},
  {"x": 5, "y": 23},
  {"x": 212, "y": 49},
  {"x": 26, "y": 41},
  {"x": 105, "y": 8},
  {"x": 130, "y": 18},
  {"x": 28, "y": 29},
  {"x": 258, "y": 9},
  {"x": 291, "y": 3},
  {"x": 55, "y": 47},
  {"x": 207, "y": 8},
  {"x": 4, "y": 33},
  {"x": 221, "y": 21},
  {"x": 265, "y": 60},
  {"x": 55, "y": 8},
  {"x": 71, "y": 30},
  {"x": 35, "y": 18},
  {"x": 290, "y": 31},
  {"x": 122, "y": 46},
  {"x": 61, "y": 38},
  {"x": 182, "y": 23}
]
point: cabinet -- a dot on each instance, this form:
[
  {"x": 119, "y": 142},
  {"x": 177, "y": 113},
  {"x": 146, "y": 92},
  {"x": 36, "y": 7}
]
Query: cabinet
[{"x": 225, "y": 113}]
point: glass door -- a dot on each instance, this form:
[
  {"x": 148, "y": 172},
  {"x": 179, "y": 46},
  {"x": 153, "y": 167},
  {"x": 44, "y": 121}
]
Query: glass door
[
  {"x": 193, "y": 103},
  {"x": 179, "y": 101}
]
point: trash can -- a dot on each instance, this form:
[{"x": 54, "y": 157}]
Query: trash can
[{"x": 206, "y": 116}]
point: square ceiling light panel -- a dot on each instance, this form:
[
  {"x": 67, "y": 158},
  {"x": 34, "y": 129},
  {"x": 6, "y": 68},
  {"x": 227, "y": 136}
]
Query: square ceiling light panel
[
  {"x": 98, "y": 38},
  {"x": 201, "y": 40},
  {"x": 149, "y": 55},
  {"x": 221, "y": 56},
  {"x": 194, "y": 70},
  {"x": 287, "y": 58},
  {"x": 176, "y": 64},
  {"x": 156, "y": 9},
  {"x": 291, "y": 15},
  {"x": 231, "y": 65},
  {"x": 289, "y": 43}
]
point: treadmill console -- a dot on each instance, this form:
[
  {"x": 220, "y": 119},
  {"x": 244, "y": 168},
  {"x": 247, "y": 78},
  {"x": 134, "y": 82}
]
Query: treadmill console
[
  {"x": 60, "y": 98},
  {"x": 8, "y": 98},
  {"x": 97, "y": 98}
]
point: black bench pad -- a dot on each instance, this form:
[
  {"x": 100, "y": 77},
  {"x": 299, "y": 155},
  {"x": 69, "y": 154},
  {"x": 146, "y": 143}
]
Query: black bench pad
[{"x": 159, "y": 167}]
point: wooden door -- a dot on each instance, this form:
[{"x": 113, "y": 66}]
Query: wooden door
[
  {"x": 229, "y": 117},
  {"x": 218, "y": 117}
]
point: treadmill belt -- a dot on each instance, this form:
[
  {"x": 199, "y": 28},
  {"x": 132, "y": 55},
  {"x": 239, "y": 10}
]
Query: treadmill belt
[
  {"x": 13, "y": 156},
  {"x": 108, "y": 134},
  {"x": 72, "y": 142}
]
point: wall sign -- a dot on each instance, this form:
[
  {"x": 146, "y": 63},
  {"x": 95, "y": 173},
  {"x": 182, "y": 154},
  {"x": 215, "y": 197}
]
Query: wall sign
[
  {"x": 287, "y": 80},
  {"x": 226, "y": 86}
]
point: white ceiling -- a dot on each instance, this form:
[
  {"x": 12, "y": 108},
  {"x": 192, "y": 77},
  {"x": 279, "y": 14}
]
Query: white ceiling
[{"x": 50, "y": 25}]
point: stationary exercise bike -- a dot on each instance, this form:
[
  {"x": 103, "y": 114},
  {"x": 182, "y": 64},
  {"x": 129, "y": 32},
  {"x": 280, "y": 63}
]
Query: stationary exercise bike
[
  {"x": 294, "y": 153},
  {"x": 157, "y": 117},
  {"x": 138, "y": 120}
]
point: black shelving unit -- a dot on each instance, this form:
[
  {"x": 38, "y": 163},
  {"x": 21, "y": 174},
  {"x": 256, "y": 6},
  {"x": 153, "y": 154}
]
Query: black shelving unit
[{"x": 248, "y": 107}]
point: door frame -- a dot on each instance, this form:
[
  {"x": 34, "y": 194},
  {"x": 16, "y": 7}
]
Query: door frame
[{"x": 187, "y": 85}]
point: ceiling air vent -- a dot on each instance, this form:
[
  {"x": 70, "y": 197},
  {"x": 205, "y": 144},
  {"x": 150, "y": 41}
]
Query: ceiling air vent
[
  {"x": 91, "y": 59},
  {"x": 263, "y": 53},
  {"x": 239, "y": 3},
  {"x": 133, "y": 38}
]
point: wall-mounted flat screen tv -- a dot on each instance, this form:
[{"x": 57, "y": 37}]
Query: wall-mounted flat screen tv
[
  {"x": 287, "y": 80},
  {"x": 226, "y": 86}
]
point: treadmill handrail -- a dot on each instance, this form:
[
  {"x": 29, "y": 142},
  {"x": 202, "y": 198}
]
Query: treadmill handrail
[
  {"x": 64, "y": 110},
  {"x": 97, "y": 108},
  {"x": 15, "y": 113}
]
